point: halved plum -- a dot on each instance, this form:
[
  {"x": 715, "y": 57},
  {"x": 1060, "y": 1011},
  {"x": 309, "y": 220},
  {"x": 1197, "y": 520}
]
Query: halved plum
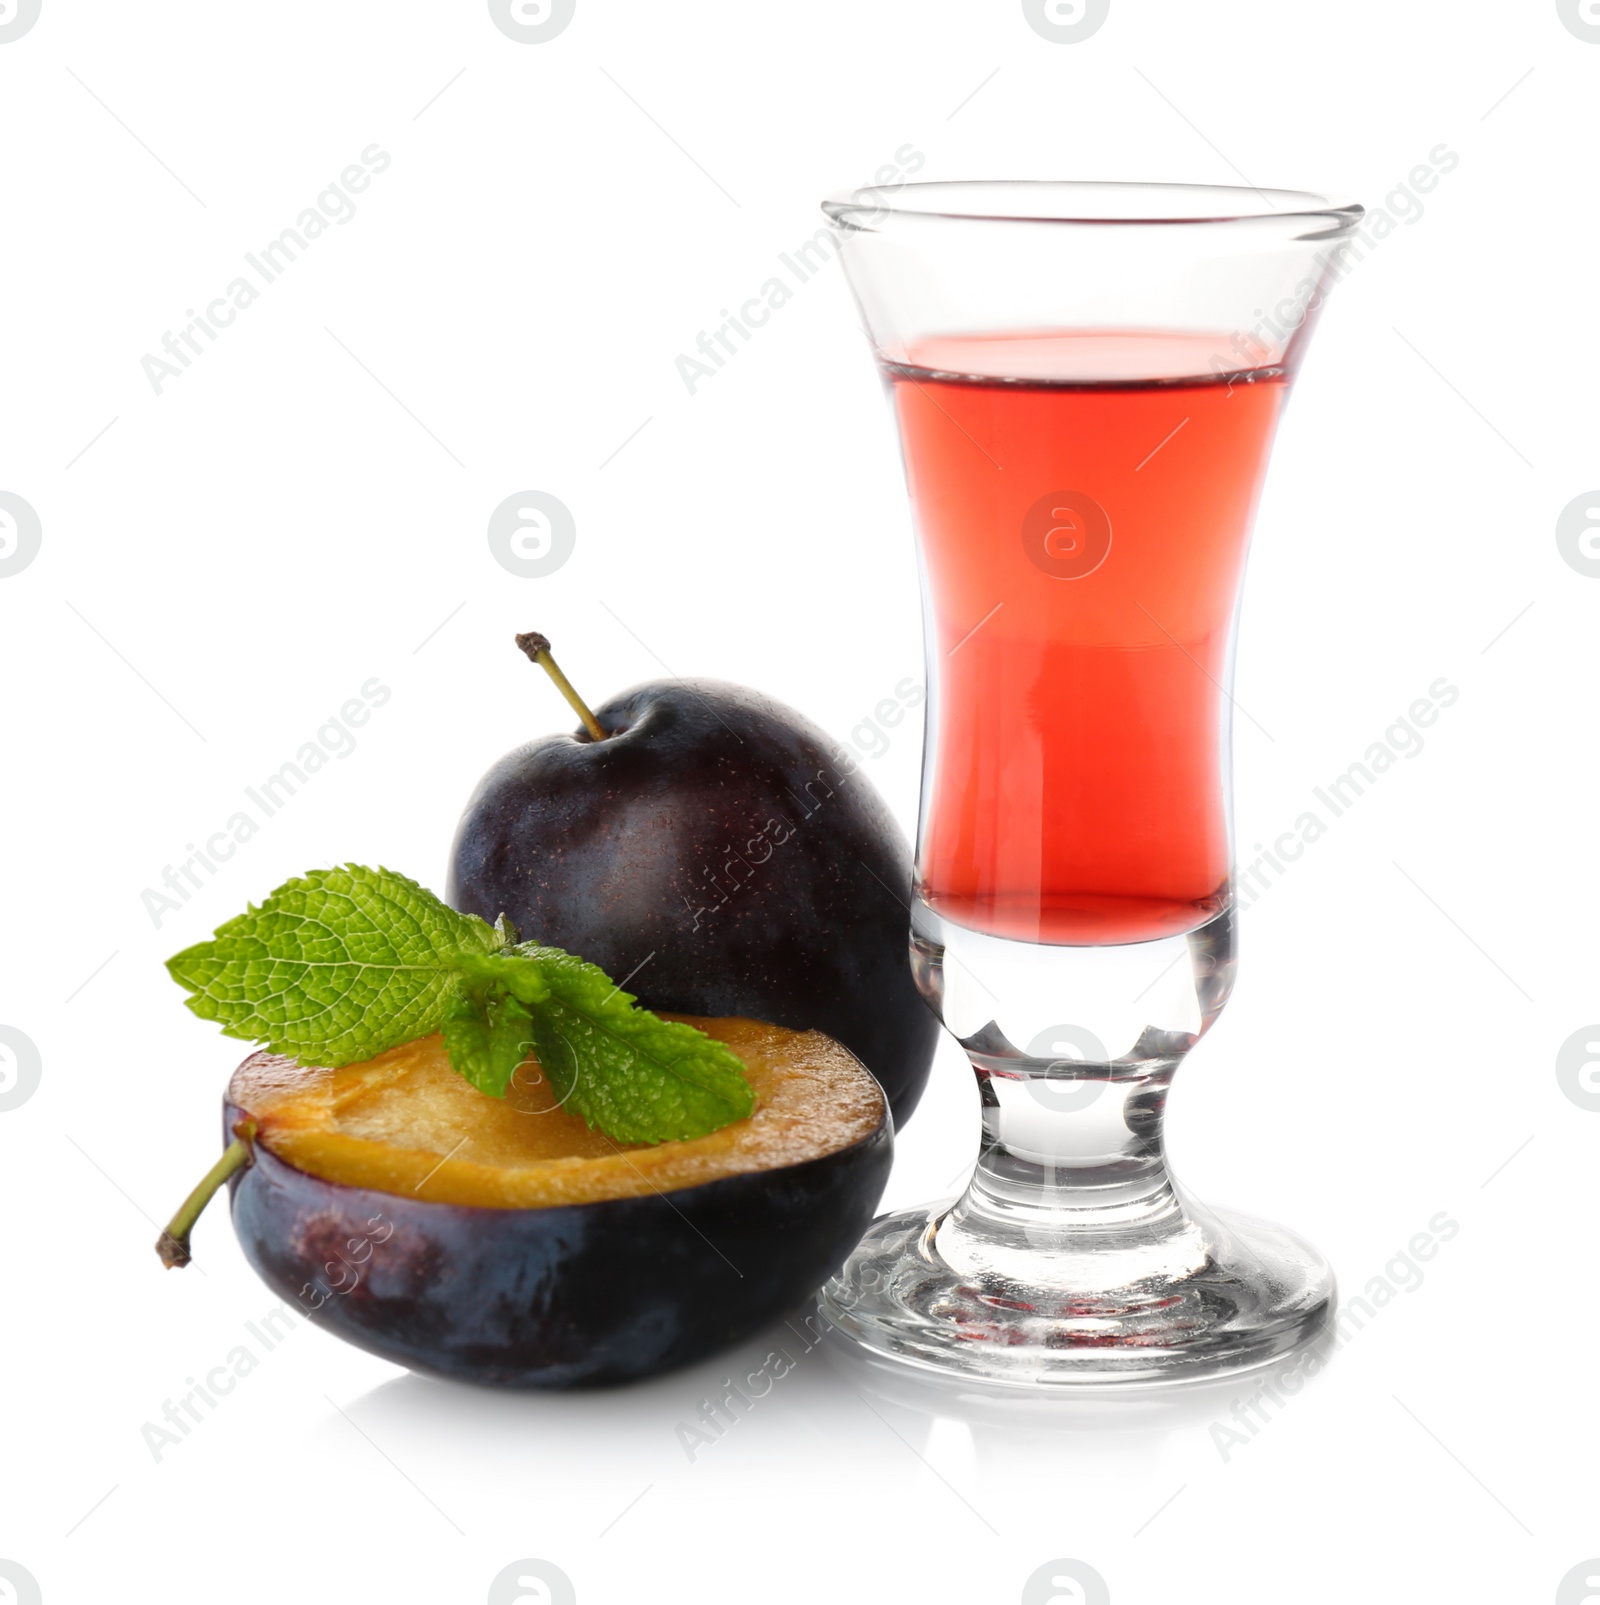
[{"x": 503, "y": 1242}]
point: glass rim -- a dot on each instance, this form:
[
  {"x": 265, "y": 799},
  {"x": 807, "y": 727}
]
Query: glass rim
[{"x": 1085, "y": 202}]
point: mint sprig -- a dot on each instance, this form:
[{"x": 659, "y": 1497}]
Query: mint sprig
[
  {"x": 619, "y": 1066},
  {"x": 343, "y": 964}
]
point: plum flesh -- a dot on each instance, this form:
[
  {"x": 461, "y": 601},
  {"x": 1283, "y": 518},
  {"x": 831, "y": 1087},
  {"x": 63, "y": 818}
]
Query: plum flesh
[{"x": 558, "y": 1295}]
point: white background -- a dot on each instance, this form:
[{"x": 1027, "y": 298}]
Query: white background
[{"x": 226, "y": 563}]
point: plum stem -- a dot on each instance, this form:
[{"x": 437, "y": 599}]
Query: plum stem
[
  {"x": 173, "y": 1244},
  {"x": 538, "y": 649}
]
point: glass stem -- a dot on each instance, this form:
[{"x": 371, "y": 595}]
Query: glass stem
[{"x": 1072, "y": 1155}]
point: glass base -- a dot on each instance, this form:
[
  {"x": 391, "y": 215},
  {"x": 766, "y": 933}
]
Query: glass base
[
  {"x": 1203, "y": 1293},
  {"x": 1074, "y": 1258}
]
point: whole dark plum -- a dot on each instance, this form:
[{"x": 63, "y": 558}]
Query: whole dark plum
[{"x": 718, "y": 855}]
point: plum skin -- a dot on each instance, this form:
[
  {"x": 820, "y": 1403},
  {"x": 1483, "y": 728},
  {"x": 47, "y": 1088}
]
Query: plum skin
[
  {"x": 719, "y": 856},
  {"x": 567, "y": 1296}
]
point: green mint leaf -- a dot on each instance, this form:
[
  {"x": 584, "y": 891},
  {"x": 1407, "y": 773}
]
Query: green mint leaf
[
  {"x": 510, "y": 1040},
  {"x": 343, "y": 964},
  {"x": 487, "y": 1035},
  {"x": 334, "y": 967},
  {"x": 513, "y": 972},
  {"x": 634, "y": 1076}
]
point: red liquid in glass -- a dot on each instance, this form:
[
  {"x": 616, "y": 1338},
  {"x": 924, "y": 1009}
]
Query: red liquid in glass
[{"x": 1077, "y": 767}]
